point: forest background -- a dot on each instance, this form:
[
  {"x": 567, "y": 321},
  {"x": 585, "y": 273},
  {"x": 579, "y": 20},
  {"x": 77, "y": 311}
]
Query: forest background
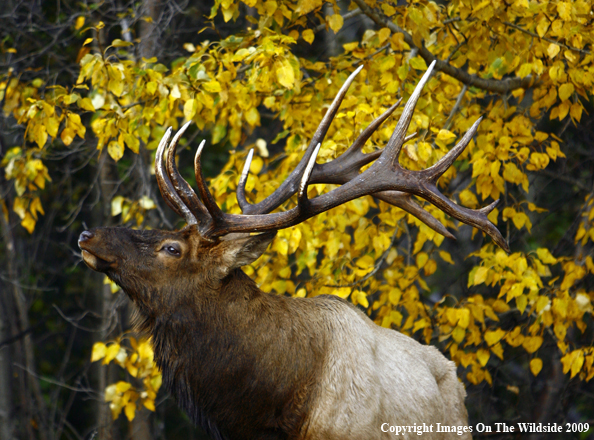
[{"x": 88, "y": 88}]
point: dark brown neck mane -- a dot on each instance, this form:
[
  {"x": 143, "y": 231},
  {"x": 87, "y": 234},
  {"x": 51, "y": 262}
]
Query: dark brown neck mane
[{"x": 242, "y": 361}]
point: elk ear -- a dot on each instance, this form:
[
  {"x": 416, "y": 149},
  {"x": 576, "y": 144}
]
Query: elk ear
[{"x": 240, "y": 249}]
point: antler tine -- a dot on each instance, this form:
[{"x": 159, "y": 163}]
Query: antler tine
[
  {"x": 434, "y": 172},
  {"x": 396, "y": 142},
  {"x": 289, "y": 186},
  {"x": 166, "y": 188},
  {"x": 209, "y": 201},
  {"x": 182, "y": 188},
  {"x": 241, "y": 199},
  {"x": 306, "y": 175},
  {"x": 347, "y": 165}
]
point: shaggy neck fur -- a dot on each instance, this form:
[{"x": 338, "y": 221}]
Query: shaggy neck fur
[{"x": 237, "y": 360}]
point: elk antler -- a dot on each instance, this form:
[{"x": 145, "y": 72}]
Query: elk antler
[{"x": 384, "y": 179}]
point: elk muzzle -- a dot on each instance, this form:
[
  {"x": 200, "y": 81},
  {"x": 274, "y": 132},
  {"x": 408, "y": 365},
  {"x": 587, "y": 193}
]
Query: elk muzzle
[{"x": 91, "y": 252}]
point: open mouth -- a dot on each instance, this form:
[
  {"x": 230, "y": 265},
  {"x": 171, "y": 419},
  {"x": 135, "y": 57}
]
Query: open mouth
[{"x": 95, "y": 262}]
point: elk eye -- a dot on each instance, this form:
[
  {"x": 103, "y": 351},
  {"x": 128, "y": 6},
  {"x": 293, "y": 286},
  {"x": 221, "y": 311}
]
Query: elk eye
[{"x": 172, "y": 249}]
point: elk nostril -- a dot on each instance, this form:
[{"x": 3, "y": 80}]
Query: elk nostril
[{"x": 86, "y": 235}]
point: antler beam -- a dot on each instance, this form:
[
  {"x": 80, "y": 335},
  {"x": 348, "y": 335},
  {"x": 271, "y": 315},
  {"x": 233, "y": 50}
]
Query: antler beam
[{"x": 384, "y": 179}]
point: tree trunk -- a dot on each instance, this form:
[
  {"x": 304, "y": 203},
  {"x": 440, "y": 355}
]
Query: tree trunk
[{"x": 6, "y": 396}]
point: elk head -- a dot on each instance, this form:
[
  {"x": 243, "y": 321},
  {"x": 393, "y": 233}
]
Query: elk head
[{"x": 151, "y": 265}]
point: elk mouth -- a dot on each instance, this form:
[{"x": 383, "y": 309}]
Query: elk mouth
[
  {"x": 95, "y": 262},
  {"x": 90, "y": 256}
]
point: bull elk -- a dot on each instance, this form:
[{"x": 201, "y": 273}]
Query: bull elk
[{"x": 245, "y": 364}]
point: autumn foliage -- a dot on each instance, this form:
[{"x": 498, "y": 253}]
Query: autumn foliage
[{"x": 525, "y": 66}]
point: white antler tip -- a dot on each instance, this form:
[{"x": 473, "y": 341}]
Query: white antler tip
[
  {"x": 200, "y": 147},
  {"x": 308, "y": 169},
  {"x": 246, "y": 167},
  {"x": 179, "y": 133}
]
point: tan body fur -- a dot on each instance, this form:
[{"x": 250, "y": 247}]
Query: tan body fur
[{"x": 373, "y": 375}]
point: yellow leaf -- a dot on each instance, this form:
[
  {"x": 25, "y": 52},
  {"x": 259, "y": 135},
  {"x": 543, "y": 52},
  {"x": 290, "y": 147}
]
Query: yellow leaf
[
  {"x": 383, "y": 34},
  {"x": 130, "y": 410},
  {"x": 467, "y": 198},
  {"x": 87, "y": 41},
  {"x": 424, "y": 149},
  {"x": 422, "y": 258},
  {"x": 480, "y": 275},
  {"x": 111, "y": 352},
  {"x": 525, "y": 70},
  {"x": 36, "y": 207},
  {"x": 212, "y": 86},
  {"x": 308, "y": 35},
  {"x": 28, "y": 223},
  {"x": 98, "y": 351},
  {"x": 560, "y": 331},
  {"x": 536, "y": 366},
  {"x": 156, "y": 381},
  {"x": 252, "y": 117},
  {"x": 493, "y": 337},
  {"x": 20, "y": 207},
  {"x": 146, "y": 202},
  {"x": 411, "y": 153},
  {"x": 40, "y": 134},
  {"x": 541, "y": 28},
  {"x": 52, "y": 125},
  {"x": 388, "y": 9},
  {"x": 418, "y": 63},
  {"x": 116, "y": 205},
  {"x": 122, "y": 387},
  {"x": 445, "y": 256},
  {"x": 343, "y": 292},
  {"x": 532, "y": 343},
  {"x": 121, "y": 43},
  {"x": 335, "y": 22},
  {"x": 545, "y": 256},
  {"x": 115, "y": 150},
  {"x": 86, "y": 104},
  {"x": 576, "y": 111},
  {"x": 116, "y": 86},
  {"x": 421, "y": 323},
  {"x": 497, "y": 350},
  {"x": 565, "y": 91},
  {"x": 348, "y": 47},
  {"x": 563, "y": 110},
  {"x": 458, "y": 334},
  {"x": 149, "y": 404},
  {"x": 285, "y": 74},
  {"x": 359, "y": 297},
  {"x": 190, "y": 108},
  {"x": 463, "y": 317},
  {"x": 483, "y": 356},
  {"x": 301, "y": 293},
  {"x": 132, "y": 142},
  {"x": 577, "y": 364},
  {"x": 564, "y": 10},
  {"x": 553, "y": 50}
]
